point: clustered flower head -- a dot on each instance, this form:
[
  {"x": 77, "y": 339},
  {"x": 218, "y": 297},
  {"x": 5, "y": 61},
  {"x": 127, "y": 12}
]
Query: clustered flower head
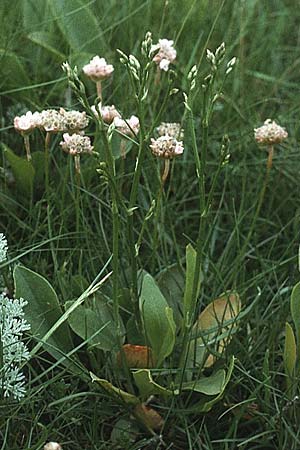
[
  {"x": 166, "y": 147},
  {"x": 51, "y": 120},
  {"x": 108, "y": 113},
  {"x": 129, "y": 127},
  {"x": 52, "y": 446},
  {"x": 98, "y": 69},
  {"x": 14, "y": 351},
  {"x": 172, "y": 129},
  {"x": 3, "y": 247},
  {"x": 26, "y": 123},
  {"x": 76, "y": 144},
  {"x": 270, "y": 133},
  {"x": 166, "y": 53},
  {"x": 74, "y": 120}
]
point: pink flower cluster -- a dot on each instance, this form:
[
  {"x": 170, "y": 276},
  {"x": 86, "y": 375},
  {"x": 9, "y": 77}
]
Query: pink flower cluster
[
  {"x": 166, "y": 53},
  {"x": 270, "y": 133},
  {"x": 166, "y": 147},
  {"x": 98, "y": 69}
]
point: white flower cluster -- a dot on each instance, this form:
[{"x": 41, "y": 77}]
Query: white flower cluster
[
  {"x": 166, "y": 53},
  {"x": 166, "y": 147},
  {"x": 3, "y": 247},
  {"x": 76, "y": 144},
  {"x": 129, "y": 127},
  {"x": 52, "y": 446},
  {"x": 51, "y": 120},
  {"x": 108, "y": 113},
  {"x": 270, "y": 133},
  {"x": 172, "y": 129},
  {"x": 98, "y": 69},
  {"x": 14, "y": 351}
]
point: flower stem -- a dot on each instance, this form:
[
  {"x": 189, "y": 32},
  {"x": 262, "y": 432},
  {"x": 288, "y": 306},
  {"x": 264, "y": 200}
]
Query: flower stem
[
  {"x": 47, "y": 148},
  {"x": 27, "y": 146},
  {"x": 77, "y": 195},
  {"x": 99, "y": 90},
  {"x": 166, "y": 171}
]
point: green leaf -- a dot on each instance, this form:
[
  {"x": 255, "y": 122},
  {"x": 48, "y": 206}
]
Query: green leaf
[
  {"x": 34, "y": 13},
  {"x": 158, "y": 319},
  {"x": 295, "y": 310},
  {"x": 124, "y": 433},
  {"x": 96, "y": 321},
  {"x": 79, "y": 25},
  {"x": 218, "y": 319},
  {"x": 38, "y": 162},
  {"x": 115, "y": 392},
  {"x": 171, "y": 283},
  {"x": 43, "y": 310},
  {"x": 205, "y": 406},
  {"x": 290, "y": 351},
  {"x": 13, "y": 71},
  {"x": 188, "y": 301},
  {"x": 147, "y": 386},
  {"x": 48, "y": 41},
  {"x": 22, "y": 170},
  {"x": 211, "y": 385}
]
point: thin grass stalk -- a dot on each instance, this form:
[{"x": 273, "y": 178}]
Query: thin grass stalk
[
  {"x": 130, "y": 227},
  {"x": 257, "y": 211},
  {"x": 200, "y": 172}
]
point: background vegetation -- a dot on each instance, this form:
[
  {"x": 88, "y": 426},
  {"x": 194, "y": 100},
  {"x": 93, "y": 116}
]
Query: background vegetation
[{"x": 36, "y": 37}]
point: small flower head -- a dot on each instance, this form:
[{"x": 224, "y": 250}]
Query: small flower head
[
  {"x": 52, "y": 446},
  {"x": 98, "y": 69},
  {"x": 76, "y": 144},
  {"x": 3, "y": 247},
  {"x": 74, "y": 120},
  {"x": 130, "y": 127},
  {"x": 172, "y": 129},
  {"x": 166, "y": 147},
  {"x": 166, "y": 53},
  {"x": 270, "y": 133},
  {"x": 52, "y": 121},
  {"x": 108, "y": 113},
  {"x": 26, "y": 123}
]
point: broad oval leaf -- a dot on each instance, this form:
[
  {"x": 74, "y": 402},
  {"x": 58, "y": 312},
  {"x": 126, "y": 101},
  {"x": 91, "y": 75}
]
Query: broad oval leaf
[
  {"x": 211, "y": 385},
  {"x": 22, "y": 170},
  {"x": 43, "y": 310},
  {"x": 295, "y": 309},
  {"x": 95, "y": 324},
  {"x": 79, "y": 25},
  {"x": 206, "y": 405},
  {"x": 217, "y": 319},
  {"x": 158, "y": 319},
  {"x": 290, "y": 351}
]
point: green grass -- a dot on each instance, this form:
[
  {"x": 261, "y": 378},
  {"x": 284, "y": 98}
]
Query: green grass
[{"x": 265, "y": 83}]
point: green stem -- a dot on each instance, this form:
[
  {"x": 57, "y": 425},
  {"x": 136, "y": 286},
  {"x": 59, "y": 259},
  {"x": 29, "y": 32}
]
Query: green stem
[
  {"x": 130, "y": 223},
  {"x": 200, "y": 171},
  {"x": 47, "y": 161},
  {"x": 77, "y": 194}
]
